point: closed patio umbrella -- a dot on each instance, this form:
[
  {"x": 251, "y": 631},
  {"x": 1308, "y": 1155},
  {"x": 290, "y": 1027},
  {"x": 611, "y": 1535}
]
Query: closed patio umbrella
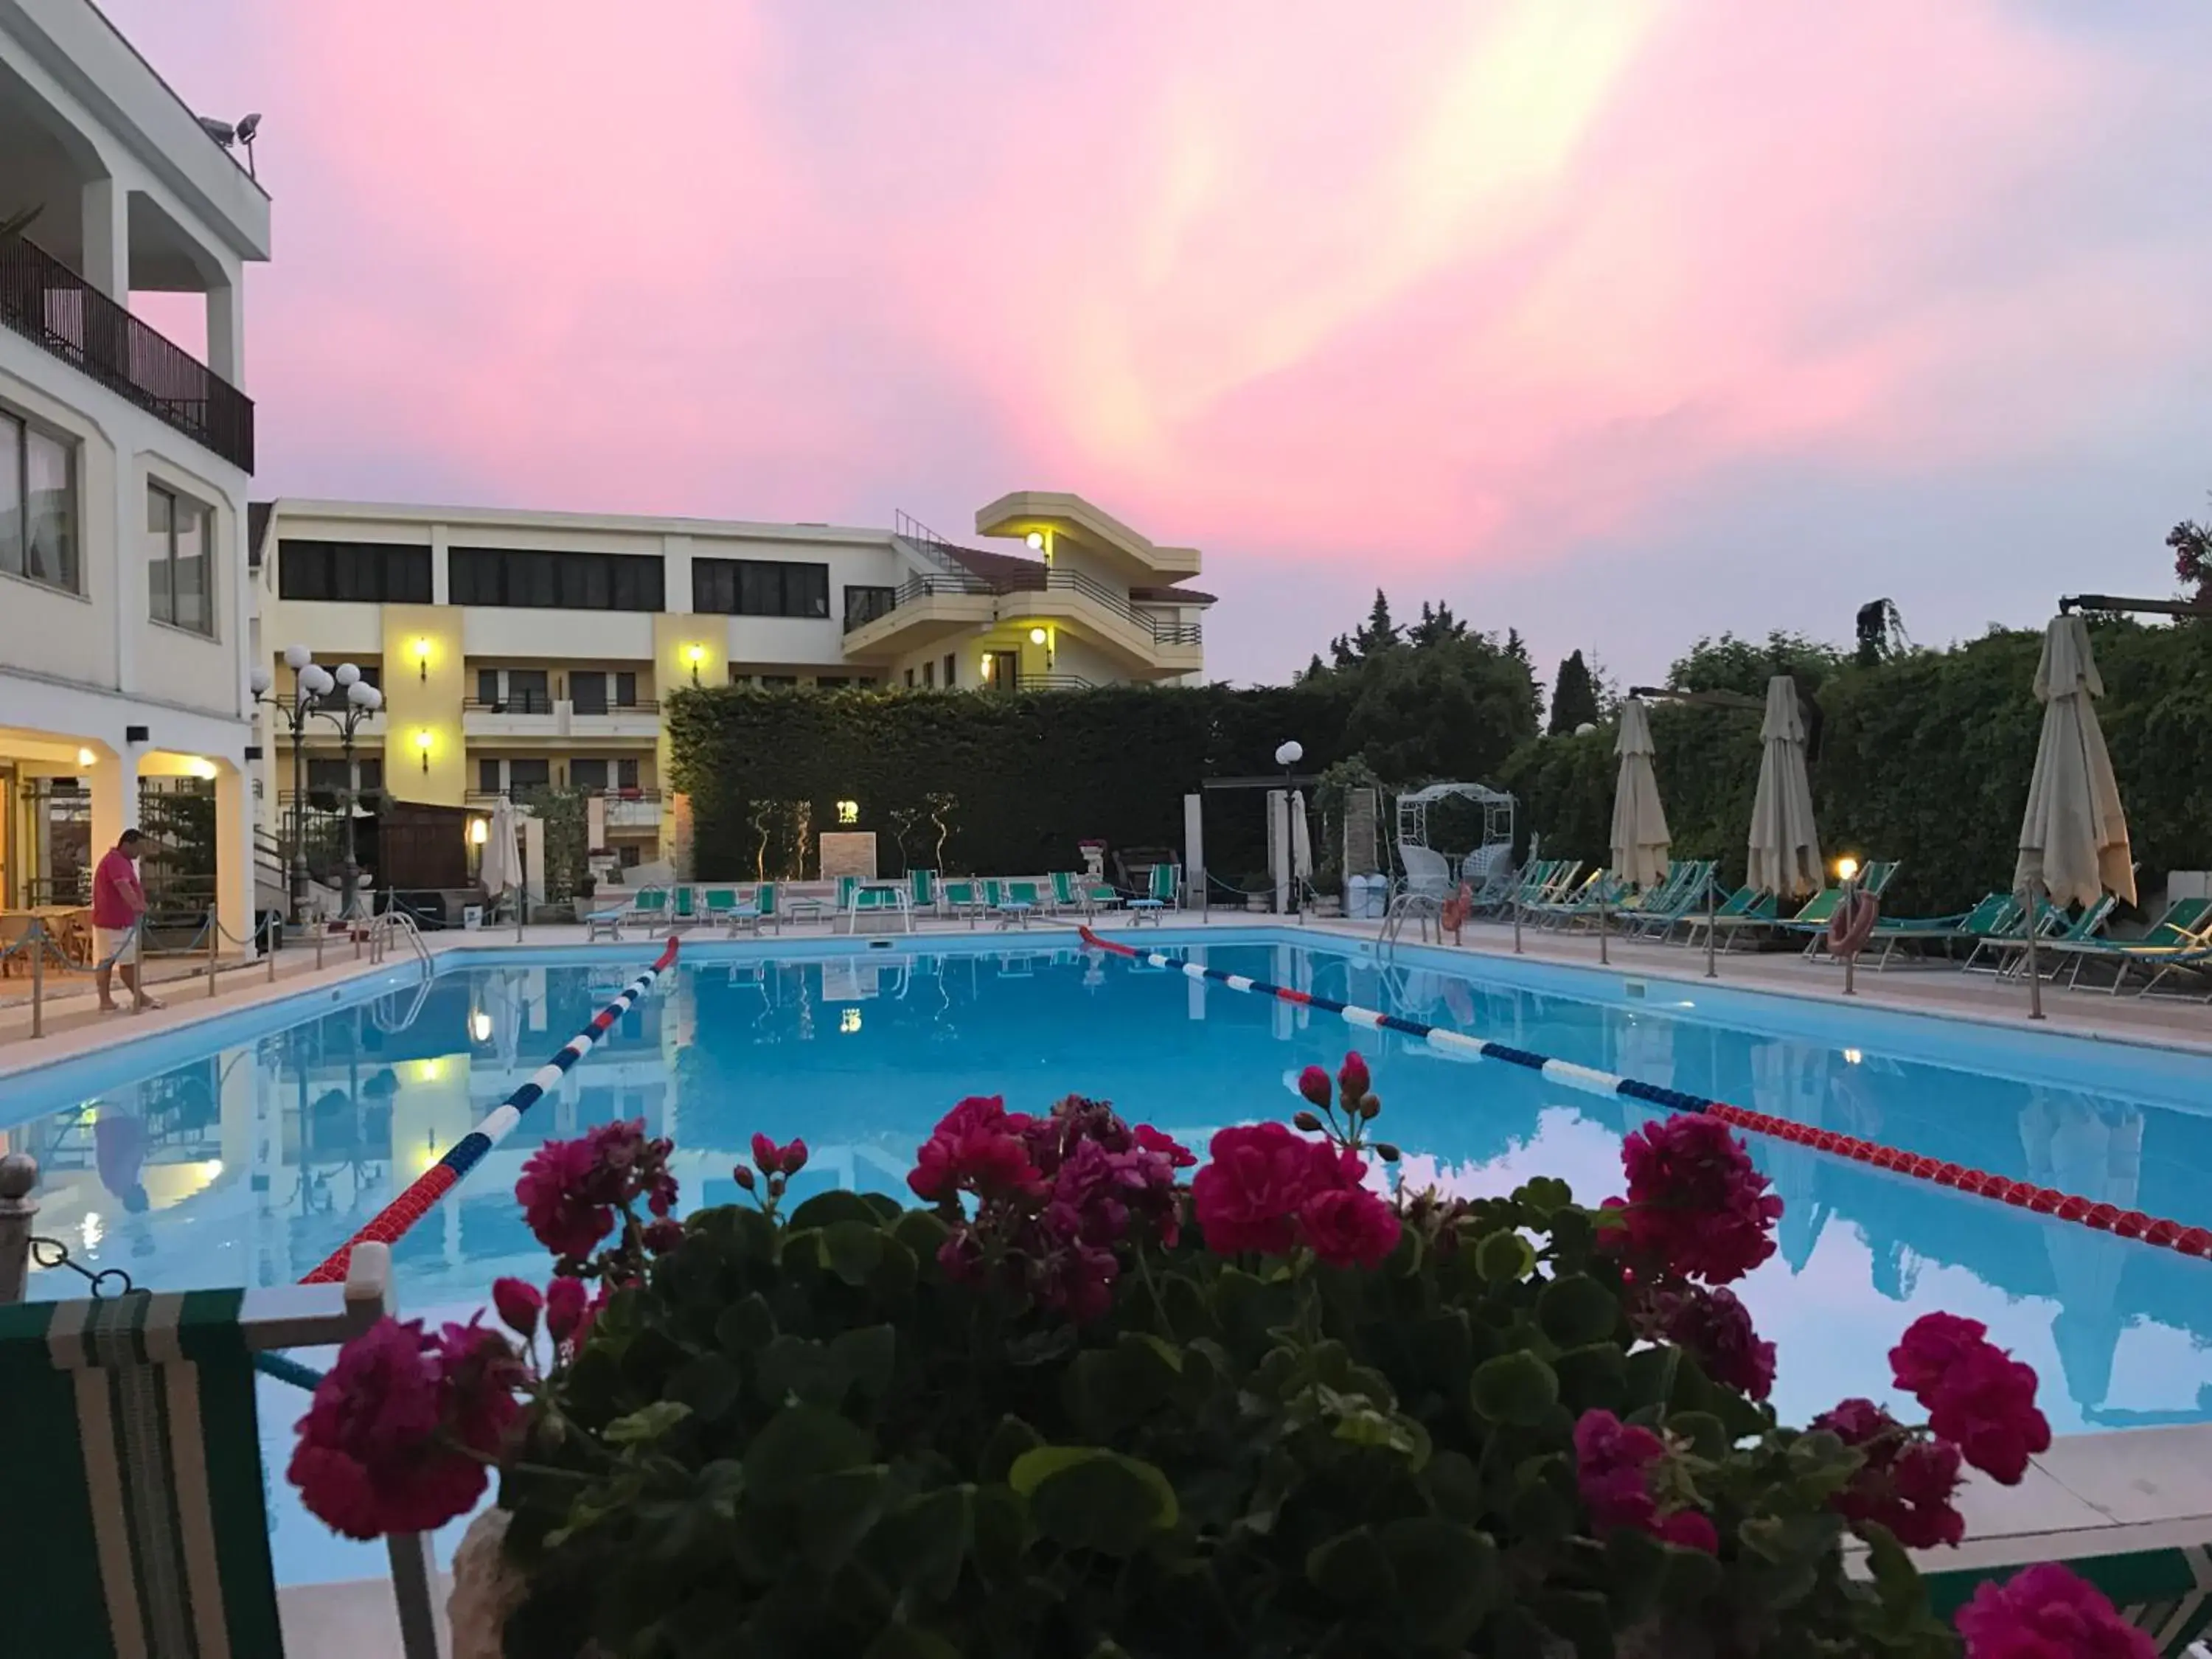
[
  {"x": 1301, "y": 838},
  {"x": 501, "y": 868},
  {"x": 2074, "y": 836},
  {"x": 1639, "y": 822},
  {"x": 1785, "y": 847}
]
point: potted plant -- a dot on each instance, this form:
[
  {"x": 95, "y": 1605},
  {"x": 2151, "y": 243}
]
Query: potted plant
[
  {"x": 1084, "y": 1402},
  {"x": 1259, "y": 892}
]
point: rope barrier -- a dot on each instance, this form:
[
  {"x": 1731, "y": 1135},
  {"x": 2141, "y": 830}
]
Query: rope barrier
[
  {"x": 391, "y": 1221},
  {"x": 2020, "y": 1194}
]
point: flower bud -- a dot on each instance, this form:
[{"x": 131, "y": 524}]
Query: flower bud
[
  {"x": 1313, "y": 1085},
  {"x": 1352, "y": 1077},
  {"x": 1388, "y": 1153},
  {"x": 794, "y": 1158},
  {"x": 1307, "y": 1122},
  {"x": 1370, "y": 1107},
  {"x": 518, "y": 1304},
  {"x": 564, "y": 1308},
  {"x": 743, "y": 1176},
  {"x": 768, "y": 1156}
]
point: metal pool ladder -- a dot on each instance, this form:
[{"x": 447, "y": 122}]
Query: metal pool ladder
[{"x": 390, "y": 925}]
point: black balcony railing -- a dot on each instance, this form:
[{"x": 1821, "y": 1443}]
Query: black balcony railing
[
  {"x": 1040, "y": 581},
  {"x": 515, "y": 702},
  {"x": 45, "y": 301}
]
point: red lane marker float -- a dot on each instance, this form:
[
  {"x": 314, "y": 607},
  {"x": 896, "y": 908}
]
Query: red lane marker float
[{"x": 2020, "y": 1194}]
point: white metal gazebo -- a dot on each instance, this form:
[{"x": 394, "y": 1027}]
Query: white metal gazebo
[{"x": 1431, "y": 872}]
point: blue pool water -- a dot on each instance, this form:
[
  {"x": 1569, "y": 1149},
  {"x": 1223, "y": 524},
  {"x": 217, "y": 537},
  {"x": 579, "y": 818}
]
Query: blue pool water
[{"x": 244, "y": 1151}]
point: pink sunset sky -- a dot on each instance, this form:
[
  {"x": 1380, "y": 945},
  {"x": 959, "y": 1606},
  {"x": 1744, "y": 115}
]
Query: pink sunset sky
[{"x": 1617, "y": 321}]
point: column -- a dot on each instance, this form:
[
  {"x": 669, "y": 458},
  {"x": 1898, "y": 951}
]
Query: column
[
  {"x": 233, "y": 854},
  {"x": 113, "y": 783},
  {"x": 106, "y": 208},
  {"x": 226, "y": 331}
]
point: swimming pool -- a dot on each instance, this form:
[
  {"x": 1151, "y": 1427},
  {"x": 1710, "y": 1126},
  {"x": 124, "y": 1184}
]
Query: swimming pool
[{"x": 244, "y": 1150}]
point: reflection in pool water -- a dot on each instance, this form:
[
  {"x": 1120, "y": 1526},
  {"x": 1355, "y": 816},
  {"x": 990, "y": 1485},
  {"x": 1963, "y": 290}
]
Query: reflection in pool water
[{"x": 249, "y": 1165}]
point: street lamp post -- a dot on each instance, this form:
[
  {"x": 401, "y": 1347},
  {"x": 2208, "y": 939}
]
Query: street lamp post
[
  {"x": 311, "y": 682},
  {"x": 1288, "y": 755}
]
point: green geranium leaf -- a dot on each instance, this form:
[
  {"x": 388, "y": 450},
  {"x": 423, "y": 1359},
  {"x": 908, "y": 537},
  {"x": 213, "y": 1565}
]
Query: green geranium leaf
[
  {"x": 852, "y": 1249},
  {"x": 865, "y": 1358},
  {"x": 927, "y": 1538},
  {"x": 799, "y": 1444},
  {"x": 1086, "y": 1498},
  {"x": 647, "y": 1423},
  {"x": 796, "y": 1368},
  {"x": 1577, "y": 1311},
  {"x": 1543, "y": 1195},
  {"x": 826, "y": 1210},
  {"x": 1635, "y": 1569},
  {"x": 836, "y": 1513},
  {"x": 905, "y": 1642},
  {"x": 746, "y": 1325},
  {"x": 1008, "y": 1442},
  {"x": 1351, "y": 1568},
  {"x": 1503, "y": 1258},
  {"x": 1593, "y": 1378},
  {"x": 1579, "y": 1616},
  {"x": 1448, "y": 1577},
  {"x": 709, "y": 1385},
  {"x": 1514, "y": 1388},
  {"x": 1707, "y": 1435},
  {"x": 921, "y": 1231}
]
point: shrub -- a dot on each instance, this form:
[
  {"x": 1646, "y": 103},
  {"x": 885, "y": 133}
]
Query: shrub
[{"x": 1075, "y": 1407}]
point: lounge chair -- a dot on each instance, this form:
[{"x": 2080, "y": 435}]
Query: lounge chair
[
  {"x": 1601, "y": 890},
  {"x": 1820, "y": 910},
  {"x": 1428, "y": 872},
  {"x": 1013, "y": 903},
  {"x": 1745, "y": 907},
  {"x": 961, "y": 897},
  {"x": 720, "y": 903},
  {"x": 1671, "y": 901},
  {"x": 685, "y": 913},
  {"x": 1071, "y": 892},
  {"x": 759, "y": 913},
  {"x": 1159, "y": 895},
  {"x": 1996, "y": 914},
  {"x": 2178, "y": 940},
  {"x": 922, "y": 890},
  {"x": 2049, "y": 920},
  {"x": 147, "y": 1407},
  {"x": 2059, "y": 935}
]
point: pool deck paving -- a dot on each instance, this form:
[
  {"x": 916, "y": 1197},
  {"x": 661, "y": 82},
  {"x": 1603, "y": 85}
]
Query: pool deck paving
[{"x": 2125, "y": 1489}]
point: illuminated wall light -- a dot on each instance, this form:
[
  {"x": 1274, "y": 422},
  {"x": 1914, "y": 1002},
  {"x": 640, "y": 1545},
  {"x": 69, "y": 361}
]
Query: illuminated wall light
[
  {"x": 479, "y": 831},
  {"x": 423, "y": 742},
  {"x": 1036, "y": 636},
  {"x": 86, "y": 758},
  {"x": 422, "y": 654},
  {"x": 1846, "y": 867},
  {"x": 1036, "y": 540},
  {"x": 201, "y": 769},
  {"x": 848, "y": 1019},
  {"x": 1853, "y": 1056},
  {"x": 695, "y": 655},
  {"x": 480, "y": 1026},
  {"x": 848, "y": 812},
  {"x": 429, "y": 1070}
]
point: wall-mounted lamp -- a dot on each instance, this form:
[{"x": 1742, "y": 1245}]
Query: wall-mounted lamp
[
  {"x": 480, "y": 1026},
  {"x": 695, "y": 654},
  {"x": 1846, "y": 867},
  {"x": 479, "y": 831},
  {"x": 422, "y": 654},
  {"x": 86, "y": 758},
  {"x": 849, "y": 1020},
  {"x": 1036, "y": 540},
  {"x": 848, "y": 812},
  {"x": 423, "y": 742},
  {"x": 1036, "y": 636}
]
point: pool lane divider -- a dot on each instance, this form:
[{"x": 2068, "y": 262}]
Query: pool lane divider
[
  {"x": 2021, "y": 1194},
  {"x": 387, "y": 1225}
]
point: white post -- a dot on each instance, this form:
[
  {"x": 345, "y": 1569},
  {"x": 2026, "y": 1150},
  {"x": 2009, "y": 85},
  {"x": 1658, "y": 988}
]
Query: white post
[
  {"x": 1194, "y": 851},
  {"x": 1712, "y": 893},
  {"x": 1847, "y": 904},
  {"x": 19, "y": 1174},
  {"x": 2035, "y": 970}
]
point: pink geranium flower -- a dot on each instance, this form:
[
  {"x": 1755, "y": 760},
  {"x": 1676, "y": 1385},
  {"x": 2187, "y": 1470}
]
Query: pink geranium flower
[
  {"x": 976, "y": 1147},
  {"x": 1348, "y": 1226},
  {"x": 1906, "y": 1483},
  {"x": 1976, "y": 1394},
  {"x": 2047, "y": 1613},
  {"x": 1717, "y": 1328},
  {"x": 1614, "y": 1465},
  {"x": 1696, "y": 1207}
]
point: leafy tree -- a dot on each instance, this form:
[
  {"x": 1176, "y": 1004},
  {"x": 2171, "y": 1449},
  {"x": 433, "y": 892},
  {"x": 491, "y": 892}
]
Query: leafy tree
[
  {"x": 1730, "y": 663},
  {"x": 1574, "y": 696},
  {"x": 1378, "y": 636},
  {"x": 1437, "y": 625},
  {"x": 1454, "y": 709},
  {"x": 2192, "y": 542}
]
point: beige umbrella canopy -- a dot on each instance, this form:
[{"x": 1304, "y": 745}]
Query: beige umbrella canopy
[
  {"x": 2074, "y": 836},
  {"x": 1785, "y": 847},
  {"x": 1639, "y": 822}
]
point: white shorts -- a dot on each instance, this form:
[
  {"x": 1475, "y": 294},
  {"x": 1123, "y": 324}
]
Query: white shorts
[{"x": 107, "y": 941}]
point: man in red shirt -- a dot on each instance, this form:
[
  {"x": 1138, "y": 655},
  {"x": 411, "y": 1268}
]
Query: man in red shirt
[{"x": 117, "y": 902}]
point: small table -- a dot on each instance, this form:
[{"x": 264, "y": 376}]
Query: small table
[{"x": 69, "y": 925}]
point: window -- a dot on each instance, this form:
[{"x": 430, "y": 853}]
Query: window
[
  {"x": 515, "y": 691},
  {"x": 626, "y": 775},
  {"x": 488, "y": 777},
  {"x": 589, "y": 774},
  {"x": 523, "y": 776},
  {"x": 595, "y": 693},
  {"x": 180, "y": 539},
  {"x": 949, "y": 660},
  {"x": 331, "y": 776},
  {"x": 630, "y": 855},
  {"x": 37, "y": 506},
  {"x": 929, "y": 677},
  {"x": 554, "y": 581},
  {"x": 830, "y": 682},
  {"x": 864, "y": 605},
  {"x": 778, "y": 682},
  {"x": 760, "y": 587},
  {"x": 910, "y": 679},
  {"x": 361, "y": 573}
]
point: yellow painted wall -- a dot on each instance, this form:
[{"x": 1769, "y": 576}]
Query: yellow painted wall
[
  {"x": 415, "y": 703},
  {"x": 674, "y": 634}
]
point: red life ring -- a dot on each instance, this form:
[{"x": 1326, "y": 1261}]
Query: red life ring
[{"x": 1852, "y": 924}]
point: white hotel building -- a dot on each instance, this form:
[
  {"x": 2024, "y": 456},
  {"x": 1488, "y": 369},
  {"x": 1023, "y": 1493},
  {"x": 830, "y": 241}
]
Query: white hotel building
[
  {"x": 519, "y": 650},
  {"x": 125, "y": 606}
]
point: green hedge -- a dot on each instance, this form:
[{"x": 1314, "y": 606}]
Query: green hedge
[
  {"x": 1030, "y": 775},
  {"x": 1925, "y": 758}
]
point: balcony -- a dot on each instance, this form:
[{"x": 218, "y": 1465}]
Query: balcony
[
  {"x": 535, "y": 714},
  {"x": 941, "y": 603},
  {"x": 56, "y": 309},
  {"x": 630, "y": 810}
]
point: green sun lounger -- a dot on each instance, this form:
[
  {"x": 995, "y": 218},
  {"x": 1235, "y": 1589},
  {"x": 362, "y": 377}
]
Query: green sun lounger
[
  {"x": 131, "y": 1439},
  {"x": 1071, "y": 892},
  {"x": 1745, "y": 907},
  {"x": 2178, "y": 941},
  {"x": 1996, "y": 913},
  {"x": 760, "y": 912},
  {"x": 1159, "y": 895},
  {"x": 961, "y": 897}
]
